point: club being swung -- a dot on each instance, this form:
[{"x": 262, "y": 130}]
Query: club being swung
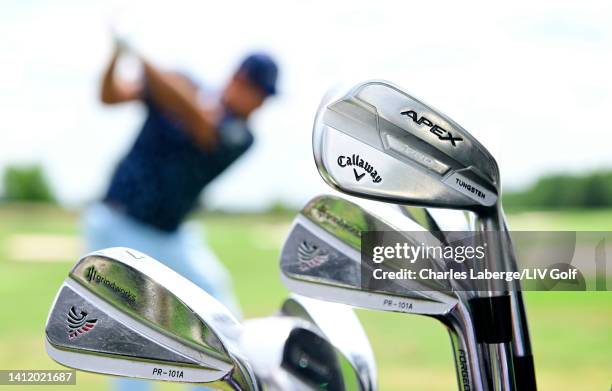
[
  {"x": 321, "y": 259},
  {"x": 376, "y": 141}
]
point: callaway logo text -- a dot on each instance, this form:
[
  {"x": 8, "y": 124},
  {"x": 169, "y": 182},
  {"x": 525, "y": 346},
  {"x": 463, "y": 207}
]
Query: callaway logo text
[
  {"x": 356, "y": 161},
  {"x": 442, "y": 133}
]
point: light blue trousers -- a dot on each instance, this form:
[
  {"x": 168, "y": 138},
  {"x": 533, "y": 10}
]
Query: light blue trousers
[{"x": 183, "y": 251}]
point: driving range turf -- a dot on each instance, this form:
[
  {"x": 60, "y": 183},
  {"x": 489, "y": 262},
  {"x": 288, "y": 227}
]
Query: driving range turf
[{"x": 571, "y": 331}]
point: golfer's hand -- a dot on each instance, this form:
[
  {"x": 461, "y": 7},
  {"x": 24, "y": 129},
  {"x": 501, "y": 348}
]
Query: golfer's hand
[{"x": 122, "y": 45}]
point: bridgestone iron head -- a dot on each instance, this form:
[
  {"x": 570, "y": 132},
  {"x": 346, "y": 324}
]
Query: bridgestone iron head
[{"x": 120, "y": 312}]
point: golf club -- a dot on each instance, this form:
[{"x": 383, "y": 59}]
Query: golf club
[
  {"x": 377, "y": 141},
  {"x": 339, "y": 324},
  {"x": 321, "y": 259},
  {"x": 452, "y": 228},
  {"x": 120, "y": 312},
  {"x": 291, "y": 354}
]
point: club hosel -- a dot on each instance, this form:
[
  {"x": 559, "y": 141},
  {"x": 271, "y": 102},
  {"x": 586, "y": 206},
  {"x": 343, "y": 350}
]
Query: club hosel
[
  {"x": 493, "y": 330},
  {"x": 495, "y": 222},
  {"x": 467, "y": 379},
  {"x": 490, "y": 231},
  {"x": 479, "y": 365},
  {"x": 240, "y": 379},
  {"x": 472, "y": 369}
]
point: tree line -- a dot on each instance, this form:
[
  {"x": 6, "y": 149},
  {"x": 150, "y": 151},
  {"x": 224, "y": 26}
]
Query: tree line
[
  {"x": 28, "y": 183},
  {"x": 559, "y": 191}
]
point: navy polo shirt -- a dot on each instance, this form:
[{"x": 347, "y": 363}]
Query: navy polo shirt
[{"x": 160, "y": 179}]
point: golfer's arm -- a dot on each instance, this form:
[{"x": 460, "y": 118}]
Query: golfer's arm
[
  {"x": 114, "y": 90},
  {"x": 182, "y": 103}
]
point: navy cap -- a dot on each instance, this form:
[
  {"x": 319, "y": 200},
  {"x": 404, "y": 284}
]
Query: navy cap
[{"x": 262, "y": 70}]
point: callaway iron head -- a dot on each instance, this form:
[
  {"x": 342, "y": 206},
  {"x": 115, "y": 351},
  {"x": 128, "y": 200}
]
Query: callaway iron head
[
  {"x": 120, "y": 312},
  {"x": 375, "y": 140}
]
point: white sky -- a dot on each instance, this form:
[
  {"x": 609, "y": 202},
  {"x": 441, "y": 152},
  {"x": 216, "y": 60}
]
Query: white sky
[{"x": 531, "y": 80}]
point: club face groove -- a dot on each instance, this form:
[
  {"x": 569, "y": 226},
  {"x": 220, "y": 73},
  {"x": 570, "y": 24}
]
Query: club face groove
[{"x": 377, "y": 141}]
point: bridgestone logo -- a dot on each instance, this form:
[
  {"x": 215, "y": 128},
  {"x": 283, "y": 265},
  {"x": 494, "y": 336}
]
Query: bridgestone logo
[
  {"x": 470, "y": 188},
  {"x": 91, "y": 275}
]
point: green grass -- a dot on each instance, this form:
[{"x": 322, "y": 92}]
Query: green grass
[
  {"x": 571, "y": 331},
  {"x": 568, "y": 220}
]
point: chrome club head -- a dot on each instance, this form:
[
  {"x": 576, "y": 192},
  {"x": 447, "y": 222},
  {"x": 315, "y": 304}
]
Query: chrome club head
[
  {"x": 321, "y": 259},
  {"x": 120, "y": 312},
  {"x": 291, "y": 354},
  {"x": 376, "y": 140},
  {"x": 341, "y": 327}
]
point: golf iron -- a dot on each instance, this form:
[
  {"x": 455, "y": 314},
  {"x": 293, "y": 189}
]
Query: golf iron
[
  {"x": 120, "y": 312},
  {"x": 289, "y": 353},
  {"x": 123, "y": 313},
  {"x": 377, "y": 141},
  {"x": 321, "y": 259},
  {"x": 340, "y": 325}
]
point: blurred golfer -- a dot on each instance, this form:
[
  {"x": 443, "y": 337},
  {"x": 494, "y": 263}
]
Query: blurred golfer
[{"x": 189, "y": 137}]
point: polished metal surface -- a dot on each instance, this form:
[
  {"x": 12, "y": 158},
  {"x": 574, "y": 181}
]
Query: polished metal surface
[
  {"x": 375, "y": 140},
  {"x": 400, "y": 137},
  {"x": 331, "y": 225},
  {"x": 341, "y": 327},
  {"x": 123, "y": 313},
  {"x": 452, "y": 220},
  {"x": 316, "y": 264},
  {"x": 453, "y": 225},
  {"x": 291, "y": 354}
]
